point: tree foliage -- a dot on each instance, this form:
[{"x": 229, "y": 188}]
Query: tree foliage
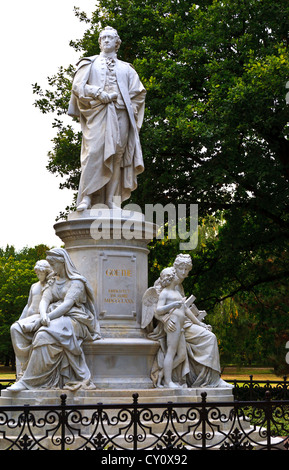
[{"x": 215, "y": 131}]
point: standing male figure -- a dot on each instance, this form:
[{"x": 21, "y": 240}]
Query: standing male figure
[{"x": 108, "y": 97}]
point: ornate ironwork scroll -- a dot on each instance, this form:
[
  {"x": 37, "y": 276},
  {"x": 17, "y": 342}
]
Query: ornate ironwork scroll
[{"x": 237, "y": 425}]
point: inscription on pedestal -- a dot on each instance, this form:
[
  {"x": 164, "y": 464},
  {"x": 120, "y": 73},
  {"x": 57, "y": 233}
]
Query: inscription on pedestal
[{"x": 117, "y": 285}]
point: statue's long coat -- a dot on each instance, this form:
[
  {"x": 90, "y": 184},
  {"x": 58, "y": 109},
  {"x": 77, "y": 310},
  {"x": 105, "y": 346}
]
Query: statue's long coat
[{"x": 100, "y": 128}]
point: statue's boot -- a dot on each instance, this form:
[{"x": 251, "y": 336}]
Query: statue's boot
[{"x": 84, "y": 204}]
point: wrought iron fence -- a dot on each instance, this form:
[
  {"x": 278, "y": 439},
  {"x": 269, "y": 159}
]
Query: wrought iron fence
[
  {"x": 255, "y": 389},
  {"x": 181, "y": 427}
]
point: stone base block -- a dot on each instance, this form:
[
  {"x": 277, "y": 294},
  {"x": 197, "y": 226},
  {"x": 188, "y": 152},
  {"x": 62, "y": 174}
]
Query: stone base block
[
  {"x": 121, "y": 363},
  {"x": 116, "y": 396}
]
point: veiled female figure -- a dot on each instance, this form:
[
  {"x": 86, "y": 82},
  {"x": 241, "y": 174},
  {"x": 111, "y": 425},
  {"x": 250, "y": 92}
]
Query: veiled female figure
[{"x": 66, "y": 318}]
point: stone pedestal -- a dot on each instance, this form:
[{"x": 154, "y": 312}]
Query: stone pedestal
[
  {"x": 115, "y": 396},
  {"x": 109, "y": 247},
  {"x": 121, "y": 363}
]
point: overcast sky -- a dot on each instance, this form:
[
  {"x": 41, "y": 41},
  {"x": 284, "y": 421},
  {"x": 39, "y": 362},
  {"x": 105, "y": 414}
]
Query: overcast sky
[{"x": 35, "y": 39}]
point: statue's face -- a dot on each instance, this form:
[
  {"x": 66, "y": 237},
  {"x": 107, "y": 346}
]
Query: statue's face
[
  {"x": 57, "y": 266},
  {"x": 108, "y": 42},
  {"x": 167, "y": 279},
  {"x": 41, "y": 275},
  {"x": 182, "y": 271}
]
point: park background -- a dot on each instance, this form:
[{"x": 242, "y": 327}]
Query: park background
[{"x": 215, "y": 134}]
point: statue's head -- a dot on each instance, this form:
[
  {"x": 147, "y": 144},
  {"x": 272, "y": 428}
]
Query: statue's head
[
  {"x": 59, "y": 258},
  {"x": 42, "y": 269},
  {"x": 55, "y": 258},
  {"x": 166, "y": 276},
  {"x": 109, "y": 34},
  {"x": 183, "y": 265}
]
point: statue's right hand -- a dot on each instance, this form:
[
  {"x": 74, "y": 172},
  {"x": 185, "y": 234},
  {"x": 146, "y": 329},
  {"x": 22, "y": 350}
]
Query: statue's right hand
[
  {"x": 104, "y": 97},
  {"x": 45, "y": 321}
]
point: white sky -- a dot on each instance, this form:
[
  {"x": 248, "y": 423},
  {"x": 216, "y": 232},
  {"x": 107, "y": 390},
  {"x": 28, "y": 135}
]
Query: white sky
[{"x": 35, "y": 39}]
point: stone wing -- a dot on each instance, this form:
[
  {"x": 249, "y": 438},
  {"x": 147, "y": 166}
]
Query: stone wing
[{"x": 149, "y": 303}]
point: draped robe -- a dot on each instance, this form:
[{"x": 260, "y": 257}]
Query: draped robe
[{"x": 100, "y": 125}]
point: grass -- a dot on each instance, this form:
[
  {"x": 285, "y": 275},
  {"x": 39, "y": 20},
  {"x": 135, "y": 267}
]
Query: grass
[
  {"x": 243, "y": 373},
  {"x": 7, "y": 373}
]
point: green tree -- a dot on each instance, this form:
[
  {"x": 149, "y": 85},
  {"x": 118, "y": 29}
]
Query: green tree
[{"x": 215, "y": 131}]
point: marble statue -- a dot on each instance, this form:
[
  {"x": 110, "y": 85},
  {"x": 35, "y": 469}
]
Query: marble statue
[
  {"x": 42, "y": 270},
  {"x": 108, "y": 98},
  {"x": 200, "y": 365},
  {"x": 30, "y": 314},
  {"x": 171, "y": 310},
  {"x": 48, "y": 338}
]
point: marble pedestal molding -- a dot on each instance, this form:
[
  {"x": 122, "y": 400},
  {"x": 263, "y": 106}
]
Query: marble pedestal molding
[
  {"x": 109, "y": 247},
  {"x": 115, "y": 396}
]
